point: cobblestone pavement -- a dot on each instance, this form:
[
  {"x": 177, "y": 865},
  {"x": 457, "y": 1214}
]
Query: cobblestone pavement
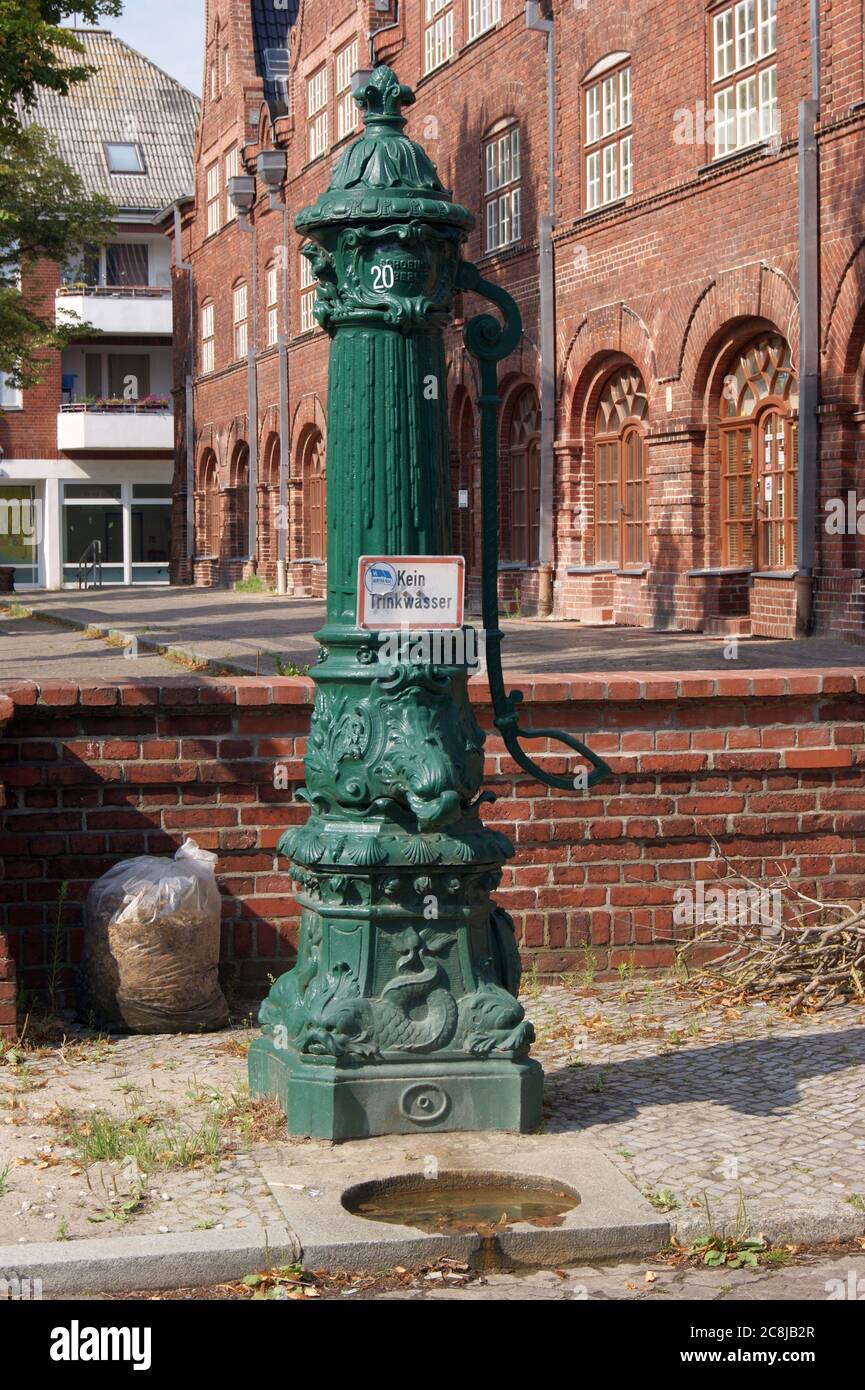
[
  {"x": 686, "y": 1098},
  {"x": 695, "y": 1102},
  {"x": 178, "y": 1088},
  {"x": 247, "y": 629},
  {"x": 823, "y": 1279}
]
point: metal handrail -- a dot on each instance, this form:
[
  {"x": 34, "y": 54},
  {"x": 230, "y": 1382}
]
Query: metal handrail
[
  {"x": 118, "y": 407},
  {"x": 90, "y": 565},
  {"x": 116, "y": 291}
]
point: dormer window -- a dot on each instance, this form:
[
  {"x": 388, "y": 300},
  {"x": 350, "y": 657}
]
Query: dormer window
[
  {"x": 276, "y": 64},
  {"x": 124, "y": 159}
]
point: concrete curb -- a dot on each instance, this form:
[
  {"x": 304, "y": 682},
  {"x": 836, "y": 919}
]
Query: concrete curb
[
  {"x": 118, "y": 1265},
  {"x": 795, "y": 1225}
]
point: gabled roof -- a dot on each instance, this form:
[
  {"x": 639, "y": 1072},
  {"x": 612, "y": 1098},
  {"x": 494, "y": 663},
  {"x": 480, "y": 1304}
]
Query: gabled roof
[
  {"x": 129, "y": 100},
  {"x": 271, "y": 28}
]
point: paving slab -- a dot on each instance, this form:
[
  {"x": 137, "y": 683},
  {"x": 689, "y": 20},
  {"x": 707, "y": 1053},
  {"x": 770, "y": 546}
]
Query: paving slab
[{"x": 612, "y": 1219}]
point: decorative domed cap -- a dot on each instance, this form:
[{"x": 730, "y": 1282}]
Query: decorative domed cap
[{"x": 383, "y": 176}]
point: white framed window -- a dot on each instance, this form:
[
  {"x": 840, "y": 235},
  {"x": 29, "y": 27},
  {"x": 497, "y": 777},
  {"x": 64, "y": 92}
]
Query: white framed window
[
  {"x": 610, "y": 105},
  {"x": 272, "y": 294},
  {"x": 744, "y": 37},
  {"x": 593, "y": 180},
  {"x": 346, "y": 107},
  {"x": 226, "y": 67},
  {"x": 723, "y": 40},
  {"x": 611, "y": 172},
  {"x": 746, "y": 111},
  {"x": 207, "y": 338},
  {"x": 11, "y": 397},
  {"x": 768, "y": 103},
  {"x": 213, "y": 222},
  {"x": 438, "y": 33},
  {"x": 214, "y": 81},
  {"x": 231, "y": 169},
  {"x": 502, "y": 192},
  {"x": 593, "y": 114},
  {"x": 307, "y": 295},
  {"x": 316, "y": 112},
  {"x": 725, "y": 121},
  {"x": 746, "y": 33},
  {"x": 608, "y": 164},
  {"x": 625, "y": 170},
  {"x": 625, "y": 97},
  {"x": 241, "y": 337},
  {"x": 767, "y": 27},
  {"x": 483, "y": 14}
]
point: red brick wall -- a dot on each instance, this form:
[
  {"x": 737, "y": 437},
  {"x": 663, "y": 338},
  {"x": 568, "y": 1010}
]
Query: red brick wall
[
  {"x": 31, "y": 433},
  {"x": 772, "y": 767}
]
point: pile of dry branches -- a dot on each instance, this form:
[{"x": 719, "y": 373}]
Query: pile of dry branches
[{"x": 813, "y": 957}]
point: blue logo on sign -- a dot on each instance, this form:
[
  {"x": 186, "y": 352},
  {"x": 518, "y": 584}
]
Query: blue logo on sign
[{"x": 380, "y": 578}]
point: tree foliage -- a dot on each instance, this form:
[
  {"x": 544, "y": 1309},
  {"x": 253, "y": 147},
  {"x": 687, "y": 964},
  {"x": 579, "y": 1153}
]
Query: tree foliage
[
  {"x": 36, "y": 51},
  {"x": 45, "y": 214}
]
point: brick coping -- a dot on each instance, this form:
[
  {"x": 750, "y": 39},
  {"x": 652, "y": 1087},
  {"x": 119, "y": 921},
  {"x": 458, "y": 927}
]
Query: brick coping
[{"x": 537, "y": 689}]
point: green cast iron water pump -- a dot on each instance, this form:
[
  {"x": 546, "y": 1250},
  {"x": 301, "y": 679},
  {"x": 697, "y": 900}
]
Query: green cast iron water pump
[{"x": 401, "y": 1014}]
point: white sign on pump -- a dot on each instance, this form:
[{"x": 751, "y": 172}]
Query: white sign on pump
[{"x": 418, "y": 591}]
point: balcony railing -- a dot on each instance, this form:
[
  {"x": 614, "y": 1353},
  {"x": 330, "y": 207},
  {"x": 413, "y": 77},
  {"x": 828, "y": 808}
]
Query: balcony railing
[
  {"x": 102, "y": 405},
  {"x": 116, "y": 291}
]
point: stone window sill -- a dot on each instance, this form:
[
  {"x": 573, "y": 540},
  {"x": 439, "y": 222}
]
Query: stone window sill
[
  {"x": 724, "y": 161},
  {"x": 718, "y": 571}
]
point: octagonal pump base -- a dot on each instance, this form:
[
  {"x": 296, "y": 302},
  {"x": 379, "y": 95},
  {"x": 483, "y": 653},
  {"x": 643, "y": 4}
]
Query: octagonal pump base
[{"x": 324, "y": 1100}]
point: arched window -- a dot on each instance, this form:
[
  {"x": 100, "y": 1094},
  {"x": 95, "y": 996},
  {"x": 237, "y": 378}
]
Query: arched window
[
  {"x": 607, "y": 132},
  {"x": 241, "y": 334},
  {"x": 759, "y": 457},
  {"x": 208, "y": 338},
  {"x": 314, "y": 496},
  {"x": 238, "y": 501},
  {"x": 207, "y": 506},
  {"x": 502, "y": 191},
  {"x": 268, "y": 500},
  {"x": 524, "y": 451},
  {"x": 621, "y": 512}
]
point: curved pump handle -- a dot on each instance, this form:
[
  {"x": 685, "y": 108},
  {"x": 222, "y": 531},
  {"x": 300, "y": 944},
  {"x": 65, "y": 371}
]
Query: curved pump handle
[{"x": 490, "y": 340}]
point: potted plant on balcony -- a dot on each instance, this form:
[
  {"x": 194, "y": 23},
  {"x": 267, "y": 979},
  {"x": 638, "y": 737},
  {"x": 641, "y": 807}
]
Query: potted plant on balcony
[
  {"x": 112, "y": 403},
  {"x": 153, "y": 403}
]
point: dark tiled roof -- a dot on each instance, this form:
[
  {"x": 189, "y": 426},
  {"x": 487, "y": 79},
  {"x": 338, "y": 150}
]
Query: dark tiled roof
[
  {"x": 271, "y": 28},
  {"x": 128, "y": 100}
]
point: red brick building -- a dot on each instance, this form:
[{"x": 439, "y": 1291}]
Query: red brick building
[
  {"x": 682, "y": 427},
  {"x": 86, "y": 455}
]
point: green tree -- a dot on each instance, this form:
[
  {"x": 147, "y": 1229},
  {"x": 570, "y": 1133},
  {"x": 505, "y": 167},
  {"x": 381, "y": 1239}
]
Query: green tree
[
  {"x": 45, "y": 211},
  {"x": 36, "y": 51}
]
